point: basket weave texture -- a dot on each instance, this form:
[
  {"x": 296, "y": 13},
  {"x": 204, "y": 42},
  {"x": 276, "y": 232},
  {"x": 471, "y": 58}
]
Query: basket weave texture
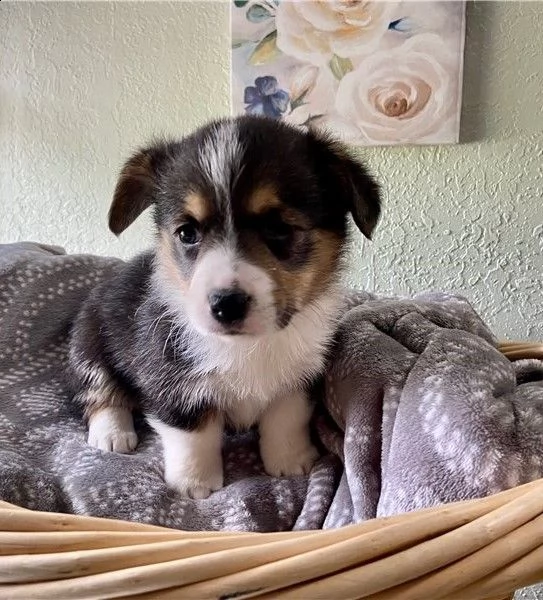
[{"x": 474, "y": 550}]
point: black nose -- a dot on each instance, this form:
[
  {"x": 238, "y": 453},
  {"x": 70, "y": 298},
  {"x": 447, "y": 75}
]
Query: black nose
[{"x": 229, "y": 306}]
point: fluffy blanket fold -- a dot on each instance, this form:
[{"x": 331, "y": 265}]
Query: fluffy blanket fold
[{"x": 417, "y": 408}]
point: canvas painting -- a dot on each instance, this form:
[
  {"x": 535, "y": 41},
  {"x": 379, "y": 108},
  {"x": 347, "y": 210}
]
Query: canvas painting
[{"x": 372, "y": 72}]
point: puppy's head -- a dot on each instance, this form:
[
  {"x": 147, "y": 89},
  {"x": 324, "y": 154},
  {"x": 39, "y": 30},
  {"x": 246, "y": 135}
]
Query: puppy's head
[{"x": 251, "y": 217}]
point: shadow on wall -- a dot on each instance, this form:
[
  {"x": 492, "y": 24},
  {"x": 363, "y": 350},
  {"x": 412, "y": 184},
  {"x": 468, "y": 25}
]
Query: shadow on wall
[
  {"x": 478, "y": 60},
  {"x": 502, "y": 77}
]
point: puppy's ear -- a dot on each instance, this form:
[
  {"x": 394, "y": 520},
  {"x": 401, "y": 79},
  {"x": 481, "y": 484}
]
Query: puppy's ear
[
  {"x": 364, "y": 196},
  {"x": 348, "y": 181},
  {"x": 136, "y": 187}
]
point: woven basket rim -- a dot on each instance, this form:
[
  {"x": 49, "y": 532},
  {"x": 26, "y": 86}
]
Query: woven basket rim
[{"x": 478, "y": 549}]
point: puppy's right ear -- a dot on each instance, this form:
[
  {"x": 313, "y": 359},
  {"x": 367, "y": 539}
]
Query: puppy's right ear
[{"x": 136, "y": 186}]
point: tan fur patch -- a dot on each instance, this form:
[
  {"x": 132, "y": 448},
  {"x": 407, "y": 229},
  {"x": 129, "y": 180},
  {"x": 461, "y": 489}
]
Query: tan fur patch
[
  {"x": 197, "y": 206},
  {"x": 211, "y": 414},
  {"x": 168, "y": 268},
  {"x": 296, "y": 287},
  {"x": 321, "y": 268},
  {"x": 100, "y": 390},
  {"x": 96, "y": 399},
  {"x": 263, "y": 199}
]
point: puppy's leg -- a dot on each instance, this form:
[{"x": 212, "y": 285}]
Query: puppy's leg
[
  {"x": 192, "y": 459},
  {"x": 285, "y": 445},
  {"x": 108, "y": 412},
  {"x": 106, "y": 405}
]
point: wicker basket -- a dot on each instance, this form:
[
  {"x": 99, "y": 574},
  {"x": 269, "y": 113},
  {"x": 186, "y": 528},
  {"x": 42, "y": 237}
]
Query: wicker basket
[{"x": 475, "y": 550}]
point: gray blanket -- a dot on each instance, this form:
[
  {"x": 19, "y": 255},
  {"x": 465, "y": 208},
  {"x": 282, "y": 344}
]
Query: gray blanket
[{"x": 417, "y": 408}]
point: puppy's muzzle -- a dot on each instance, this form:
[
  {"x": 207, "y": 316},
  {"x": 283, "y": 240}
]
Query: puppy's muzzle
[{"x": 229, "y": 306}]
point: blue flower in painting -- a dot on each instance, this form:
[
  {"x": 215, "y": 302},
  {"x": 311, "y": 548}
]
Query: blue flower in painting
[{"x": 265, "y": 98}]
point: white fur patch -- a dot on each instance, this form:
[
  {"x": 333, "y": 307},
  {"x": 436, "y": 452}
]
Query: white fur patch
[
  {"x": 247, "y": 372},
  {"x": 220, "y": 158},
  {"x": 260, "y": 368},
  {"x": 112, "y": 430},
  {"x": 192, "y": 459},
  {"x": 220, "y": 268},
  {"x": 285, "y": 444}
]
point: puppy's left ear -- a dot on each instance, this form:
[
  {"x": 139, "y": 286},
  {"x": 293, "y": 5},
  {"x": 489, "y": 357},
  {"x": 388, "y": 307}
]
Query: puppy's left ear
[
  {"x": 136, "y": 187},
  {"x": 347, "y": 180}
]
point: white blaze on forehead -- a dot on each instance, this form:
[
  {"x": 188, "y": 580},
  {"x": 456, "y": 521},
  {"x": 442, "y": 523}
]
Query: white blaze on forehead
[{"x": 220, "y": 156}]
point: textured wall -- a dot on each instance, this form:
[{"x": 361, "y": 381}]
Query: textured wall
[{"x": 82, "y": 84}]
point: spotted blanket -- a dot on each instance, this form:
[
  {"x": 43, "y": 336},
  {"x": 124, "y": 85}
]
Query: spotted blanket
[{"x": 417, "y": 407}]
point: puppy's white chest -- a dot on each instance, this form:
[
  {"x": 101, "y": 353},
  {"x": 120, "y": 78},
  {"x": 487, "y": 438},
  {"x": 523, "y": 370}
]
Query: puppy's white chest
[
  {"x": 249, "y": 375},
  {"x": 262, "y": 377},
  {"x": 253, "y": 386},
  {"x": 245, "y": 414}
]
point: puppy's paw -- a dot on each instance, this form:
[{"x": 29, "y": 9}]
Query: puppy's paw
[
  {"x": 112, "y": 430},
  {"x": 283, "y": 460},
  {"x": 192, "y": 484},
  {"x": 123, "y": 442}
]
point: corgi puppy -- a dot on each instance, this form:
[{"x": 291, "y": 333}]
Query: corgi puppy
[{"x": 227, "y": 320}]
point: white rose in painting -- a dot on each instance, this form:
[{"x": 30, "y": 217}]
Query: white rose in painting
[
  {"x": 407, "y": 94},
  {"x": 303, "y": 81},
  {"x": 312, "y": 95},
  {"x": 314, "y": 30}
]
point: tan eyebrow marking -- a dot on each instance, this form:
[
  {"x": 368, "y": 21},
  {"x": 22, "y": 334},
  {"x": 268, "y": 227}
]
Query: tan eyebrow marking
[
  {"x": 198, "y": 206},
  {"x": 262, "y": 199}
]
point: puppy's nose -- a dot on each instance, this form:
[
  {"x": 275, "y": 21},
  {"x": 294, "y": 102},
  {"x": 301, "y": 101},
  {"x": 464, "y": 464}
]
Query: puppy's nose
[{"x": 229, "y": 306}]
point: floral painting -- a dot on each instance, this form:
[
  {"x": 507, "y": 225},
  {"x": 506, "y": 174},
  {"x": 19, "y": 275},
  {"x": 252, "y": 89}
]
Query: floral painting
[{"x": 372, "y": 72}]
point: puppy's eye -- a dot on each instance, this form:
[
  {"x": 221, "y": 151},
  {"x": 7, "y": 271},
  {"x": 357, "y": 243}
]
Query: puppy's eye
[
  {"x": 189, "y": 233},
  {"x": 278, "y": 231},
  {"x": 279, "y": 237}
]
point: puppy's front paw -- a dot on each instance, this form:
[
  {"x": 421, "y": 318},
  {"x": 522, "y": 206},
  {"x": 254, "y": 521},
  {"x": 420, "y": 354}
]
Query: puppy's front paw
[
  {"x": 112, "y": 430},
  {"x": 122, "y": 442},
  {"x": 283, "y": 460},
  {"x": 191, "y": 484}
]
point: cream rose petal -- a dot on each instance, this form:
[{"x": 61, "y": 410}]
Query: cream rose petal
[
  {"x": 303, "y": 81},
  {"x": 314, "y": 30},
  {"x": 320, "y": 96},
  {"x": 320, "y": 15},
  {"x": 343, "y": 129}
]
